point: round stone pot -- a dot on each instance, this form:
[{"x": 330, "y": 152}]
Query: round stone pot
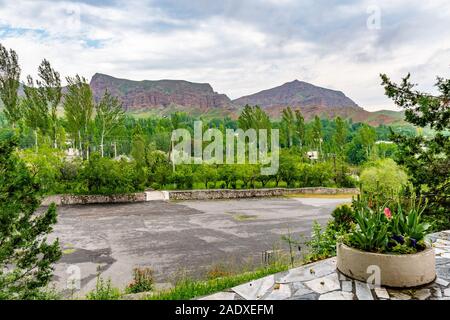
[{"x": 397, "y": 271}]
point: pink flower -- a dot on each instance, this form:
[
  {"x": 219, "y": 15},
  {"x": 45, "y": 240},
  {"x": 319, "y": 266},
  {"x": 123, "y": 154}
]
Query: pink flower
[{"x": 387, "y": 213}]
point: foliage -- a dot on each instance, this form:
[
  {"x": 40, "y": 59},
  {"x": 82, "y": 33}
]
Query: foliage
[
  {"x": 104, "y": 291},
  {"x": 372, "y": 229},
  {"x": 78, "y": 111},
  {"x": 26, "y": 256},
  {"x": 426, "y": 158},
  {"x": 253, "y": 118},
  {"x": 9, "y": 84},
  {"x": 109, "y": 115},
  {"x": 142, "y": 281},
  {"x": 107, "y": 176},
  {"x": 361, "y": 147},
  {"x": 343, "y": 215},
  {"x": 323, "y": 240},
  {"x": 46, "y": 167},
  {"x": 380, "y": 229},
  {"x": 188, "y": 289},
  {"x": 383, "y": 176}
]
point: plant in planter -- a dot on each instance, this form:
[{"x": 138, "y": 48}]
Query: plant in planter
[
  {"x": 380, "y": 230},
  {"x": 390, "y": 238}
]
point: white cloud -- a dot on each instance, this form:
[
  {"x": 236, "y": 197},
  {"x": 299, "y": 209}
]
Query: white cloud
[{"x": 247, "y": 49}]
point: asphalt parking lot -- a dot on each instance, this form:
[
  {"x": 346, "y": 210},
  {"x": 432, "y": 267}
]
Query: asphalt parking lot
[{"x": 174, "y": 238}]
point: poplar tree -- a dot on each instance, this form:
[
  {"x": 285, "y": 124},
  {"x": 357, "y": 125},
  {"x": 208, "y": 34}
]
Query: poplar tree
[{"x": 9, "y": 84}]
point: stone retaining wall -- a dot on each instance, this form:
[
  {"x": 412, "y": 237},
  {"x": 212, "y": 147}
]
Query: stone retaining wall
[
  {"x": 67, "y": 199},
  {"x": 205, "y": 194},
  {"x": 252, "y": 193}
]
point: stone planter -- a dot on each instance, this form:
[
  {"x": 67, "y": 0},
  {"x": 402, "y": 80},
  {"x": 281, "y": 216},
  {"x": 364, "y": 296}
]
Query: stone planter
[{"x": 398, "y": 271}]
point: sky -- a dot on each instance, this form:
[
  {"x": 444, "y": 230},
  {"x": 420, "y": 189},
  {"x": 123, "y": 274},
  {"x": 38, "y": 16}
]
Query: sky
[{"x": 240, "y": 47}]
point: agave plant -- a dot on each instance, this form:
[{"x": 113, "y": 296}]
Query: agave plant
[
  {"x": 378, "y": 229},
  {"x": 409, "y": 224},
  {"x": 372, "y": 232}
]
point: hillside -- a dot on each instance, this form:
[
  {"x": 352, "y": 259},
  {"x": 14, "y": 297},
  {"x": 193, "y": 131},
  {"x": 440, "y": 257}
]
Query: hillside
[{"x": 161, "y": 95}]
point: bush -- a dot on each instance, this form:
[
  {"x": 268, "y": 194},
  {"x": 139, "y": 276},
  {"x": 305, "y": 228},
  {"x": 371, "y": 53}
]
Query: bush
[
  {"x": 383, "y": 176},
  {"x": 343, "y": 215},
  {"x": 45, "y": 165},
  {"x": 107, "y": 176},
  {"x": 142, "y": 281},
  {"x": 103, "y": 291},
  {"x": 323, "y": 240}
]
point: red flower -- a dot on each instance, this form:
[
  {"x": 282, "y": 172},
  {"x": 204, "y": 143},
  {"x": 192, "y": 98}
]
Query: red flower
[{"x": 387, "y": 213}]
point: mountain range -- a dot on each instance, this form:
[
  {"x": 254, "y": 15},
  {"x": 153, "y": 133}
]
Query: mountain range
[{"x": 161, "y": 97}]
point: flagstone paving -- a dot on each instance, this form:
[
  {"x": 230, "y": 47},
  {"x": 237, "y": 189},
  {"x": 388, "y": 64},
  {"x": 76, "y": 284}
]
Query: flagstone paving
[{"x": 321, "y": 281}]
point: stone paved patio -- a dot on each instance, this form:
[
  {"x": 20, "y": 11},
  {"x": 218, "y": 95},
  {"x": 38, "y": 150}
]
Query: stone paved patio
[{"x": 321, "y": 281}]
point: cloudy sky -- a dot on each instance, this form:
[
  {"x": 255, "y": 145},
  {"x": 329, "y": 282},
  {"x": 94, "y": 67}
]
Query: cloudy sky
[{"x": 238, "y": 46}]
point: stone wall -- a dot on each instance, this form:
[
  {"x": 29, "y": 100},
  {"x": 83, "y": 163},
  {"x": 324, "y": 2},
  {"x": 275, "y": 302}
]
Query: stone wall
[
  {"x": 205, "y": 194},
  {"x": 252, "y": 193},
  {"x": 67, "y": 199}
]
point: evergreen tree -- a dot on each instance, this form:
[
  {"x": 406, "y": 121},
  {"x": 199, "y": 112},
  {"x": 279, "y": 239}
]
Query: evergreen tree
[
  {"x": 26, "y": 257},
  {"x": 426, "y": 158}
]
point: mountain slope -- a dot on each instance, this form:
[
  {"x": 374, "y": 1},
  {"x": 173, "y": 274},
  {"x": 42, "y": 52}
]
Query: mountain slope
[
  {"x": 298, "y": 94},
  {"x": 160, "y": 94}
]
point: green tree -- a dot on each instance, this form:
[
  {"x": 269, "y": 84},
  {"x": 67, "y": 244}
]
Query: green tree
[
  {"x": 35, "y": 110},
  {"x": 50, "y": 88},
  {"x": 300, "y": 127},
  {"x": 288, "y": 170},
  {"x": 340, "y": 136},
  {"x": 361, "y": 146},
  {"x": 109, "y": 115},
  {"x": 383, "y": 176},
  {"x": 9, "y": 84},
  {"x": 206, "y": 173},
  {"x": 78, "y": 110},
  {"x": 139, "y": 152},
  {"x": 317, "y": 134},
  {"x": 288, "y": 120},
  {"x": 253, "y": 118},
  {"x": 427, "y": 159},
  {"x": 26, "y": 256}
]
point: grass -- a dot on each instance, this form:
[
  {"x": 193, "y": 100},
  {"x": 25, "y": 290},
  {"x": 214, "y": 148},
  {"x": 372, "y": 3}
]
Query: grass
[
  {"x": 320, "y": 196},
  {"x": 244, "y": 217},
  {"x": 189, "y": 289}
]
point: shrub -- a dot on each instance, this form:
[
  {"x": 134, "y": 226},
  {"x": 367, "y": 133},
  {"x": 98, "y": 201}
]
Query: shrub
[
  {"x": 45, "y": 165},
  {"x": 103, "y": 291},
  {"x": 343, "y": 215},
  {"x": 142, "y": 281},
  {"x": 323, "y": 241},
  {"x": 383, "y": 176},
  {"x": 107, "y": 176}
]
